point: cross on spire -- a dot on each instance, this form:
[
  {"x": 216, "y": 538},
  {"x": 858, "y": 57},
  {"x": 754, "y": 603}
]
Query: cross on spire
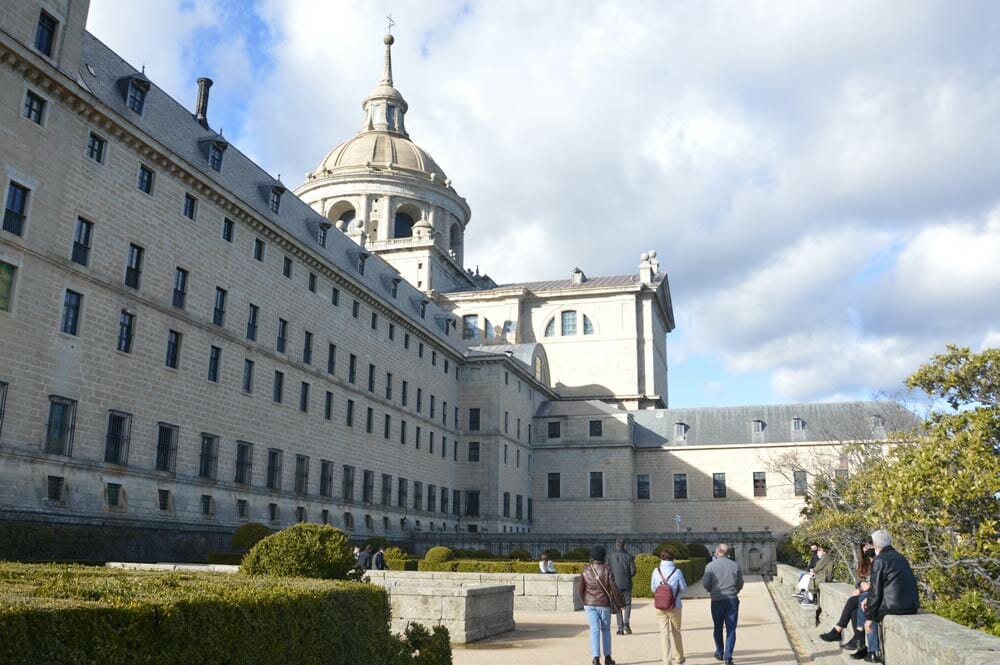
[{"x": 390, "y": 24}]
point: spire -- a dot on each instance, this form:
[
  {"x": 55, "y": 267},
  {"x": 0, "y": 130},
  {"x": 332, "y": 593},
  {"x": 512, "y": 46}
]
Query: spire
[{"x": 387, "y": 66}]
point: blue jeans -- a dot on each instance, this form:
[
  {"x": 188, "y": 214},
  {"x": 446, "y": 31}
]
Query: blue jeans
[
  {"x": 599, "y": 619},
  {"x": 726, "y": 612},
  {"x": 872, "y": 637}
]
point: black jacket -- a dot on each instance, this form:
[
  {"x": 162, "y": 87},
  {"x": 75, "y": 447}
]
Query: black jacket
[
  {"x": 622, "y": 569},
  {"x": 893, "y": 586},
  {"x": 365, "y": 560},
  {"x": 378, "y": 561}
]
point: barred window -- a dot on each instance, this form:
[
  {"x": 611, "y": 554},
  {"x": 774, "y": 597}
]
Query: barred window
[
  {"x": 301, "y": 475},
  {"x": 16, "y": 208},
  {"x": 386, "y": 498},
  {"x": 801, "y": 483},
  {"x": 472, "y": 503},
  {"x": 126, "y": 327},
  {"x": 554, "y": 485},
  {"x": 596, "y": 484},
  {"x": 61, "y": 425},
  {"x": 208, "y": 461},
  {"x": 166, "y": 447},
  {"x": 116, "y": 442},
  {"x": 244, "y": 463},
  {"x": 759, "y": 483},
  {"x": 274, "y": 469},
  {"x": 347, "y": 485},
  {"x": 368, "y": 487},
  {"x": 81, "y": 241},
  {"x": 326, "y": 478},
  {"x": 72, "y": 304}
]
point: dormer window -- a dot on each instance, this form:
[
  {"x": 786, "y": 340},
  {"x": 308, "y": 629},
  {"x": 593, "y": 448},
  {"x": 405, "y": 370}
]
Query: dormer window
[
  {"x": 757, "y": 426},
  {"x": 362, "y": 257},
  {"x": 798, "y": 425},
  {"x": 215, "y": 151},
  {"x": 423, "y": 308},
  {"x": 136, "y": 97},
  {"x": 274, "y": 201},
  {"x": 394, "y": 286},
  {"x": 321, "y": 235},
  {"x": 877, "y": 422},
  {"x": 680, "y": 430}
]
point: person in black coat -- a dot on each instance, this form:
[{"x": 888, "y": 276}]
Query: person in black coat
[
  {"x": 378, "y": 562},
  {"x": 365, "y": 558},
  {"x": 893, "y": 591}
]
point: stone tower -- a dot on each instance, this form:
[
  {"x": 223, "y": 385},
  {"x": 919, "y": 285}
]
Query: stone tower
[{"x": 391, "y": 197}]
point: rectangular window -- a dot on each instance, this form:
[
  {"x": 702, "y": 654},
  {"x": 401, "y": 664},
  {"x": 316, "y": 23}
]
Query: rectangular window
[
  {"x": 569, "y": 323},
  {"x": 166, "y": 447},
  {"x": 301, "y": 475},
  {"x": 403, "y": 397},
  {"x": 116, "y": 442},
  {"x": 248, "y": 376},
  {"x": 282, "y": 341},
  {"x": 554, "y": 486},
  {"x": 286, "y": 269},
  {"x": 596, "y": 484},
  {"x": 352, "y": 369},
  {"x": 253, "y": 317},
  {"x": 274, "y": 469},
  {"x": 180, "y": 288},
  {"x": 6, "y": 286},
  {"x": 401, "y": 492},
  {"x": 16, "y": 209},
  {"x": 506, "y": 504},
  {"x": 244, "y": 463},
  {"x": 801, "y": 483},
  {"x": 374, "y": 321},
  {"x": 34, "y": 108},
  {"x": 470, "y": 326},
  {"x": 473, "y": 451},
  {"x": 432, "y": 498},
  {"x": 321, "y": 233},
  {"x": 215, "y": 157},
  {"x": 307, "y": 348},
  {"x": 45, "y": 34},
  {"x": 759, "y": 483},
  {"x": 432, "y": 407},
  {"x": 207, "y": 504},
  {"x": 456, "y": 502},
  {"x": 54, "y": 488},
  {"x": 72, "y": 304},
  {"x": 350, "y": 413},
  {"x": 406, "y": 341},
  {"x": 228, "y": 229},
  {"x": 386, "y": 498},
  {"x": 214, "y": 362},
  {"x": 146, "y": 178},
  {"x": 434, "y": 358},
  {"x": 190, "y": 206},
  {"x": 719, "y": 485},
  {"x": 133, "y": 266},
  {"x": 356, "y": 309},
  {"x": 368, "y": 487},
  {"x": 126, "y": 328},
  {"x": 596, "y": 428},
  {"x": 369, "y": 418},
  {"x": 430, "y": 442},
  {"x": 402, "y": 432},
  {"x": 81, "y": 241},
  {"x": 387, "y": 426},
  {"x": 114, "y": 494},
  {"x": 531, "y": 510},
  {"x": 388, "y": 385},
  {"x": 326, "y": 478},
  {"x": 328, "y": 406},
  {"x": 335, "y": 297},
  {"x": 61, "y": 425},
  {"x": 136, "y": 99},
  {"x": 208, "y": 461},
  {"x": 274, "y": 200},
  {"x": 272, "y": 512},
  {"x": 96, "y": 147},
  {"x": 279, "y": 386},
  {"x": 258, "y": 249},
  {"x": 3, "y": 404},
  {"x": 392, "y": 331},
  {"x": 555, "y": 431},
  {"x": 416, "y": 438},
  {"x": 304, "y": 397},
  {"x": 371, "y": 378},
  {"x": 219, "y": 312},
  {"x": 680, "y": 486},
  {"x": 312, "y": 282},
  {"x": 173, "y": 349},
  {"x": 473, "y": 420},
  {"x": 519, "y": 507},
  {"x": 444, "y": 500},
  {"x": 641, "y": 486},
  {"x": 331, "y": 359},
  {"x": 472, "y": 503}
]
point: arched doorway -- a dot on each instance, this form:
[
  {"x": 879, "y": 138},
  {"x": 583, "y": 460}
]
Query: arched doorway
[{"x": 755, "y": 561}]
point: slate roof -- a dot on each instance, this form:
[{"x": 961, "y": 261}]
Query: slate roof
[
  {"x": 174, "y": 127},
  {"x": 828, "y": 421},
  {"x": 591, "y": 283}
]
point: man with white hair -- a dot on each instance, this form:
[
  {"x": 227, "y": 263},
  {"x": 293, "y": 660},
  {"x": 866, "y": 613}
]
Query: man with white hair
[
  {"x": 724, "y": 581},
  {"x": 893, "y": 591}
]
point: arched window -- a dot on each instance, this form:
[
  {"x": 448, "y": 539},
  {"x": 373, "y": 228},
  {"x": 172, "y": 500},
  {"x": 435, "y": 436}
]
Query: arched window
[
  {"x": 347, "y": 218},
  {"x": 550, "y": 330},
  {"x": 569, "y": 322},
  {"x": 588, "y": 327},
  {"x": 403, "y": 227},
  {"x": 455, "y": 239}
]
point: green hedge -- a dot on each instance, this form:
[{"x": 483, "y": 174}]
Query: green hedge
[
  {"x": 494, "y": 566},
  {"x": 76, "y": 614},
  {"x": 645, "y": 564},
  {"x": 402, "y": 564},
  {"x": 226, "y": 558}
]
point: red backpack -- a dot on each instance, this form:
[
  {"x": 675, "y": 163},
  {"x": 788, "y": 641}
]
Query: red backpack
[{"x": 664, "y": 599}]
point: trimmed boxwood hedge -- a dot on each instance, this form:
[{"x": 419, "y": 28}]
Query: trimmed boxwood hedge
[
  {"x": 494, "y": 566},
  {"x": 645, "y": 564},
  {"x": 402, "y": 564},
  {"x": 76, "y": 614}
]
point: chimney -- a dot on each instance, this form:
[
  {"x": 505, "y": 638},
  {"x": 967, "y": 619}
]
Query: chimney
[{"x": 201, "y": 112}]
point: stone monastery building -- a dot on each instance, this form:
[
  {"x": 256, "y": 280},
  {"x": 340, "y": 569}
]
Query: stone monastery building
[{"x": 186, "y": 345}]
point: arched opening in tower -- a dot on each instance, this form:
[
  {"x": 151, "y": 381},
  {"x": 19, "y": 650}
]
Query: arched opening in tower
[{"x": 403, "y": 227}]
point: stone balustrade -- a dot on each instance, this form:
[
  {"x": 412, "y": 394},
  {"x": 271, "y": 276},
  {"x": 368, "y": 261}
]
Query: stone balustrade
[
  {"x": 916, "y": 639},
  {"x": 532, "y": 592}
]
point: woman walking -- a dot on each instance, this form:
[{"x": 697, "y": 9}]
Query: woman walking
[
  {"x": 669, "y": 619},
  {"x": 600, "y": 600}
]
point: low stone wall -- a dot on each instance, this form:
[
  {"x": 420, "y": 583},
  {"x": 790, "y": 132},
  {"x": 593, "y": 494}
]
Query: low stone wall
[
  {"x": 186, "y": 567},
  {"x": 917, "y": 639},
  {"x": 532, "y": 592},
  {"x": 469, "y": 612}
]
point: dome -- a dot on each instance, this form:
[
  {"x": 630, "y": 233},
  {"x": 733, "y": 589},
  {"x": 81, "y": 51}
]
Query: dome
[{"x": 380, "y": 148}]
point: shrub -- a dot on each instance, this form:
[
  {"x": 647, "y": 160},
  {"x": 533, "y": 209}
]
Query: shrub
[
  {"x": 482, "y": 554},
  {"x": 697, "y": 550},
  {"x": 520, "y": 554},
  {"x": 645, "y": 564},
  {"x": 553, "y": 553},
  {"x": 247, "y": 536},
  {"x": 62, "y": 614},
  {"x": 568, "y": 568},
  {"x": 680, "y": 549},
  {"x": 225, "y": 558},
  {"x": 395, "y": 553},
  {"x": 438, "y": 555},
  {"x": 581, "y": 553},
  {"x": 418, "y": 646},
  {"x": 402, "y": 564},
  {"x": 302, "y": 550}
]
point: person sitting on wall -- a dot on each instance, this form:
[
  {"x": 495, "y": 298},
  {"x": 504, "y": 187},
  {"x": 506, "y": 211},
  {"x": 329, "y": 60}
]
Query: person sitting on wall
[
  {"x": 545, "y": 565},
  {"x": 893, "y": 591},
  {"x": 821, "y": 572},
  {"x": 803, "y": 586},
  {"x": 866, "y": 553}
]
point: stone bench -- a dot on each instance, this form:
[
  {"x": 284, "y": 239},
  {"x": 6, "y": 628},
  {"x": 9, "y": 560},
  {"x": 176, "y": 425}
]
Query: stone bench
[
  {"x": 470, "y": 612},
  {"x": 916, "y": 639},
  {"x": 532, "y": 592}
]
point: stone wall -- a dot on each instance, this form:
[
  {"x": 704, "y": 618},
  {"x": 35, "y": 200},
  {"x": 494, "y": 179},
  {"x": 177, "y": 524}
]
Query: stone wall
[{"x": 532, "y": 592}]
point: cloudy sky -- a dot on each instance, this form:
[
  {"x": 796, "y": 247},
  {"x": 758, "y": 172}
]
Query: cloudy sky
[{"x": 821, "y": 180}]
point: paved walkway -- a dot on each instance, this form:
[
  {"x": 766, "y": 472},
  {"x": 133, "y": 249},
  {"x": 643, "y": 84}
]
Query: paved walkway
[{"x": 562, "y": 638}]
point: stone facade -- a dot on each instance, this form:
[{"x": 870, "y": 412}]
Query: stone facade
[{"x": 188, "y": 346}]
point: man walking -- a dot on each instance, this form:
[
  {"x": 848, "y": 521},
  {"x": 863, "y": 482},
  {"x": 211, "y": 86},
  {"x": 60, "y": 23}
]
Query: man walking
[
  {"x": 378, "y": 562},
  {"x": 893, "y": 590},
  {"x": 724, "y": 581},
  {"x": 365, "y": 558},
  {"x": 623, "y": 569}
]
